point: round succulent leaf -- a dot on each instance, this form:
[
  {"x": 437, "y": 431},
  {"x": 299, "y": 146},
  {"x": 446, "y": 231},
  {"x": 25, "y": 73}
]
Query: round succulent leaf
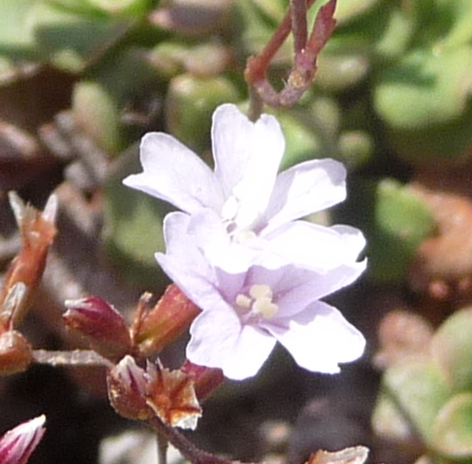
[
  {"x": 400, "y": 222},
  {"x": 356, "y": 147},
  {"x": 302, "y": 141},
  {"x": 339, "y": 71},
  {"x": 412, "y": 393},
  {"x": 346, "y": 10},
  {"x": 96, "y": 112},
  {"x": 17, "y": 32},
  {"x": 460, "y": 32},
  {"x": 426, "y": 87},
  {"x": 452, "y": 430},
  {"x": 253, "y": 27},
  {"x": 452, "y": 347}
]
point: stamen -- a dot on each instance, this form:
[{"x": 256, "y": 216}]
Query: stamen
[
  {"x": 265, "y": 307},
  {"x": 260, "y": 291},
  {"x": 243, "y": 301}
]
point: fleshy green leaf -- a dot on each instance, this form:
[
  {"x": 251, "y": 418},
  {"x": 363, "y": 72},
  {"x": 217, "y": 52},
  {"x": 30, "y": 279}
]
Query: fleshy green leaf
[
  {"x": 412, "y": 394},
  {"x": 425, "y": 88},
  {"x": 452, "y": 432},
  {"x": 452, "y": 348},
  {"x": 96, "y": 112},
  {"x": 400, "y": 223},
  {"x": 190, "y": 103}
]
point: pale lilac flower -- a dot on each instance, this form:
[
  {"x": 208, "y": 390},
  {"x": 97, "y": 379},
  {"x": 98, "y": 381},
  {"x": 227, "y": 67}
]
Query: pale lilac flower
[
  {"x": 245, "y": 313},
  {"x": 244, "y": 204},
  {"x": 18, "y": 443}
]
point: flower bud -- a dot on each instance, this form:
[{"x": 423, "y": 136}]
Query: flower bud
[
  {"x": 17, "y": 444},
  {"x": 15, "y": 353},
  {"x": 37, "y": 234},
  {"x": 101, "y": 324},
  {"x": 127, "y": 390},
  {"x": 171, "y": 316}
]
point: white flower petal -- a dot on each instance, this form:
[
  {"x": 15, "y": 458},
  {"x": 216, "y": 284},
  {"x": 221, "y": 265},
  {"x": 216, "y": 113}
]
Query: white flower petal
[
  {"x": 304, "y": 189},
  {"x": 314, "y": 246},
  {"x": 219, "y": 340},
  {"x": 319, "y": 338},
  {"x": 354, "y": 239},
  {"x": 247, "y": 158},
  {"x": 184, "y": 263},
  {"x": 307, "y": 286},
  {"x": 175, "y": 174}
]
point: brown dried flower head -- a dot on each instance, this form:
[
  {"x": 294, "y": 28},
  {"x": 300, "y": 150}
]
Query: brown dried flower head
[
  {"x": 127, "y": 390},
  {"x": 171, "y": 395}
]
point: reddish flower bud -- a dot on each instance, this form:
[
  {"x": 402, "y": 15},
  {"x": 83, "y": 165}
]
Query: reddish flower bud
[
  {"x": 17, "y": 444},
  {"x": 15, "y": 353},
  {"x": 101, "y": 324},
  {"x": 171, "y": 395},
  {"x": 127, "y": 390},
  {"x": 205, "y": 379},
  {"x": 37, "y": 233},
  {"x": 171, "y": 316}
]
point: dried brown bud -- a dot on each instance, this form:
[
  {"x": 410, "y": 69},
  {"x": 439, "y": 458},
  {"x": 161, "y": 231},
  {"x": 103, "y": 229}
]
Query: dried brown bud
[
  {"x": 171, "y": 395},
  {"x": 205, "y": 379},
  {"x": 15, "y": 353},
  {"x": 103, "y": 326},
  {"x": 37, "y": 233},
  {"x": 171, "y": 316},
  {"x": 127, "y": 390}
]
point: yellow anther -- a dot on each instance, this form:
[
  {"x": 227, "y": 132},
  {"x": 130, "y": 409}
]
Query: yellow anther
[
  {"x": 265, "y": 307},
  {"x": 260, "y": 290},
  {"x": 243, "y": 301}
]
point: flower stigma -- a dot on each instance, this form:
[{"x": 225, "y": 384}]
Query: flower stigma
[{"x": 259, "y": 301}]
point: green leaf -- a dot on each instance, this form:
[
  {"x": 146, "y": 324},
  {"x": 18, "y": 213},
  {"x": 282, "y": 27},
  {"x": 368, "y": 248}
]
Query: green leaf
[
  {"x": 96, "y": 111},
  {"x": 190, "y": 103},
  {"x": 411, "y": 395},
  {"x": 452, "y": 431},
  {"x": 452, "y": 347},
  {"x": 400, "y": 223},
  {"x": 426, "y": 87},
  {"x": 72, "y": 41},
  {"x": 17, "y": 37}
]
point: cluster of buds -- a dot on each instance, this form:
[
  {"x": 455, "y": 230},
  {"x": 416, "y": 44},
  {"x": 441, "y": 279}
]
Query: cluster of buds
[{"x": 142, "y": 393}]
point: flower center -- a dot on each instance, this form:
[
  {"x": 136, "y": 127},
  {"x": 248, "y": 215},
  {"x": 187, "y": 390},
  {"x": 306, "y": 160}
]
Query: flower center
[{"x": 259, "y": 301}]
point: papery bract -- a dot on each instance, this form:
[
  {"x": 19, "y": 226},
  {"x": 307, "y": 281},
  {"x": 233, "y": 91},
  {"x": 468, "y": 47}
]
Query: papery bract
[
  {"x": 244, "y": 314},
  {"x": 243, "y": 198},
  {"x": 18, "y": 443}
]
